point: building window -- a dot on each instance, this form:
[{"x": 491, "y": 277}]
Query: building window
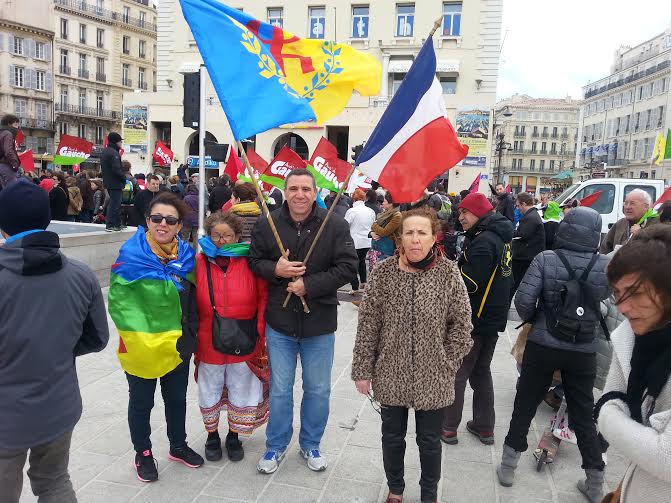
[
  {"x": 100, "y": 38},
  {"x": 18, "y": 76},
  {"x": 449, "y": 85},
  {"x": 20, "y": 107},
  {"x": 275, "y": 16},
  {"x": 64, "y": 95},
  {"x": 64, "y": 29},
  {"x": 82, "y": 62},
  {"x": 40, "y": 50},
  {"x": 40, "y": 80},
  {"x": 552, "y": 165},
  {"x": 100, "y": 69},
  {"x": 532, "y": 165},
  {"x": 18, "y": 46},
  {"x": 64, "y": 62},
  {"x": 653, "y": 174},
  {"x": 125, "y": 74},
  {"x": 126, "y": 45},
  {"x": 82, "y": 33},
  {"x": 646, "y": 149},
  {"x": 142, "y": 49},
  {"x": 141, "y": 78},
  {"x": 143, "y": 19},
  {"x": 100, "y": 102},
  {"x": 452, "y": 19},
  {"x": 317, "y": 25},
  {"x": 542, "y": 165},
  {"x": 360, "y": 21},
  {"x": 82, "y": 98},
  {"x": 82, "y": 131},
  {"x": 397, "y": 79},
  {"x": 100, "y": 134},
  {"x": 405, "y": 19},
  {"x": 126, "y": 14},
  {"x": 41, "y": 111}
]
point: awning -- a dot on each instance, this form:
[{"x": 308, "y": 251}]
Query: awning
[
  {"x": 563, "y": 175},
  {"x": 399, "y": 65},
  {"x": 442, "y": 66},
  {"x": 447, "y": 66}
]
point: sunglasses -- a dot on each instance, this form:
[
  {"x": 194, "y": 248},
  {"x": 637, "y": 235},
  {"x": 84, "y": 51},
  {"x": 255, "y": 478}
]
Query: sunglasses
[{"x": 170, "y": 220}]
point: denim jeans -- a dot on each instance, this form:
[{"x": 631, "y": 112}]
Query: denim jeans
[
  {"x": 141, "y": 402},
  {"x": 316, "y": 355}
]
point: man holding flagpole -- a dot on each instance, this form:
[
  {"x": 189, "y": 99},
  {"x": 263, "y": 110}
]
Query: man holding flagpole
[{"x": 290, "y": 331}]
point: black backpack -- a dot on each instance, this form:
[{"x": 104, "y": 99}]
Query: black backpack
[{"x": 576, "y": 313}]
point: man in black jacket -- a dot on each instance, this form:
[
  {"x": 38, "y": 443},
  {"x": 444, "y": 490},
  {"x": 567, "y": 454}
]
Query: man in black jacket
[
  {"x": 505, "y": 205},
  {"x": 529, "y": 239},
  {"x": 486, "y": 271},
  {"x": 220, "y": 194},
  {"x": 290, "y": 331},
  {"x": 114, "y": 180}
]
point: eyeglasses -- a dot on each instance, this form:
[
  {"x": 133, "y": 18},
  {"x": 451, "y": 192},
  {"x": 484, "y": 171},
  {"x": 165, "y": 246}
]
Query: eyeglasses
[
  {"x": 215, "y": 236},
  {"x": 170, "y": 220}
]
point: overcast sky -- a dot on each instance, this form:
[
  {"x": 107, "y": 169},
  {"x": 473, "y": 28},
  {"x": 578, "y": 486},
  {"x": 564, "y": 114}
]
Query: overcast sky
[{"x": 552, "y": 49}]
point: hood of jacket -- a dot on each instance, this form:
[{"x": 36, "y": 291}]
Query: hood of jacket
[
  {"x": 33, "y": 254},
  {"x": 580, "y": 230},
  {"x": 496, "y": 223},
  {"x": 503, "y": 197},
  {"x": 11, "y": 129}
]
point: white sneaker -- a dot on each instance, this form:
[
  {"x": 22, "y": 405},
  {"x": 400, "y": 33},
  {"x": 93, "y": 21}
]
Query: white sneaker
[
  {"x": 270, "y": 462},
  {"x": 316, "y": 462},
  {"x": 565, "y": 434}
]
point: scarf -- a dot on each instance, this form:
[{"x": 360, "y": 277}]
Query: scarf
[
  {"x": 209, "y": 249},
  {"x": 651, "y": 213},
  {"x": 426, "y": 263},
  {"x": 165, "y": 252},
  {"x": 248, "y": 209},
  {"x": 385, "y": 217},
  {"x": 650, "y": 369}
]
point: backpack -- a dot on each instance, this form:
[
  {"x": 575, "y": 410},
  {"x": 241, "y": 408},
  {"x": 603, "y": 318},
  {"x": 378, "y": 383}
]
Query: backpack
[
  {"x": 576, "y": 313},
  {"x": 445, "y": 210},
  {"x": 127, "y": 195}
]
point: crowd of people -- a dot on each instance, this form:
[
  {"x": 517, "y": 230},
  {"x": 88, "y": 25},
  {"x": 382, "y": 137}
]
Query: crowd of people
[{"x": 434, "y": 278}]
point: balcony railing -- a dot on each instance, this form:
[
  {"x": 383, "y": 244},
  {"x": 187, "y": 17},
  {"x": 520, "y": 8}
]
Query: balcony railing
[
  {"x": 87, "y": 111},
  {"x": 127, "y": 82},
  {"x": 554, "y": 135},
  {"x": 545, "y": 135},
  {"x": 564, "y": 136},
  {"x": 101, "y": 77},
  {"x": 30, "y": 123},
  {"x": 83, "y": 7},
  {"x": 520, "y": 134},
  {"x": 100, "y": 45},
  {"x": 627, "y": 80},
  {"x": 535, "y": 134},
  {"x": 64, "y": 70},
  {"x": 83, "y": 74},
  {"x": 142, "y": 85},
  {"x": 543, "y": 151}
]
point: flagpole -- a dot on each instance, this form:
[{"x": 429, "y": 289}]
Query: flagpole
[
  {"x": 201, "y": 154},
  {"x": 436, "y": 25},
  {"x": 278, "y": 240}
]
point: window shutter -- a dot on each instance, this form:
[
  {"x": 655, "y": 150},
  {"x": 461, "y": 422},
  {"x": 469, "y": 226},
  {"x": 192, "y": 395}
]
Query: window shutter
[
  {"x": 50, "y": 145},
  {"x": 29, "y": 47},
  {"x": 47, "y": 51},
  {"x": 10, "y": 46},
  {"x": 48, "y": 82},
  {"x": 12, "y": 75},
  {"x": 33, "y": 77},
  {"x": 2, "y": 42}
]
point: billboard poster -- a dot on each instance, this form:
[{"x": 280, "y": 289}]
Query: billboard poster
[
  {"x": 473, "y": 130},
  {"x": 134, "y": 129}
]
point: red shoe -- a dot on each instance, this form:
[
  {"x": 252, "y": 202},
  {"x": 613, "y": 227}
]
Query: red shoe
[
  {"x": 486, "y": 437},
  {"x": 393, "y": 499}
]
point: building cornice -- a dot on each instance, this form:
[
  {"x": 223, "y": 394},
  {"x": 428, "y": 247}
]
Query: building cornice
[{"x": 28, "y": 29}]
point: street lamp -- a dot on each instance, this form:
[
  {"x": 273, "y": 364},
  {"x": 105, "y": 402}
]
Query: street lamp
[{"x": 501, "y": 145}]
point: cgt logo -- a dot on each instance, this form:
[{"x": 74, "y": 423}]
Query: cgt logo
[
  {"x": 324, "y": 168},
  {"x": 280, "y": 168}
]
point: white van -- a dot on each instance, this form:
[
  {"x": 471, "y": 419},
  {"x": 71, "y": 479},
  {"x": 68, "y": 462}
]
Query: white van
[{"x": 614, "y": 190}]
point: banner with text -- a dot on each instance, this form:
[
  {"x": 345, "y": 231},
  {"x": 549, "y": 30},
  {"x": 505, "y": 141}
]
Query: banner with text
[
  {"x": 72, "y": 150},
  {"x": 135, "y": 129},
  {"x": 472, "y": 125}
]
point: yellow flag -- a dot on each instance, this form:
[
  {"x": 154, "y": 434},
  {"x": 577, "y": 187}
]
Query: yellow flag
[{"x": 658, "y": 151}]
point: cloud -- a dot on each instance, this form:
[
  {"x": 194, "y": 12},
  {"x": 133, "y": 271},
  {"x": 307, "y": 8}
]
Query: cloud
[{"x": 553, "y": 49}]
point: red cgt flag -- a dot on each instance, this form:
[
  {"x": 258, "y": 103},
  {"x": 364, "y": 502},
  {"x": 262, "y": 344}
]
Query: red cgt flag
[
  {"x": 475, "y": 186},
  {"x": 27, "y": 161},
  {"x": 591, "y": 199},
  {"x": 163, "y": 155},
  {"x": 325, "y": 160},
  {"x": 20, "y": 138},
  {"x": 285, "y": 160},
  {"x": 257, "y": 162},
  {"x": 234, "y": 167}
]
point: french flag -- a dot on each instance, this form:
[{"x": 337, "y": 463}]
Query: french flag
[{"x": 414, "y": 141}]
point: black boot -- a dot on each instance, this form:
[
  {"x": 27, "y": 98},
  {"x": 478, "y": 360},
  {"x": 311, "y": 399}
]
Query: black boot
[
  {"x": 213, "y": 447},
  {"x": 234, "y": 447}
]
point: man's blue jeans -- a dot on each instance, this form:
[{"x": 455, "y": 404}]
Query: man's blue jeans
[{"x": 316, "y": 362}]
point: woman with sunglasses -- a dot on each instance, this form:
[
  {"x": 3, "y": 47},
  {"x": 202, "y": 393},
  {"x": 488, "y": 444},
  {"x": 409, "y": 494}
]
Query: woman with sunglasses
[
  {"x": 226, "y": 381},
  {"x": 414, "y": 330},
  {"x": 152, "y": 302},
  {"x": 634, "y": 413}
]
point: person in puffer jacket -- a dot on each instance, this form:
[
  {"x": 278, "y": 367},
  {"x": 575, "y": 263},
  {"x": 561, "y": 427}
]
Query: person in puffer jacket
[{"x": 578, "y": 239}]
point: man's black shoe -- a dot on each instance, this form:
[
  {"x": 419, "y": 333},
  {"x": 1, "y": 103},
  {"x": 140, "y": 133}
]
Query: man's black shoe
[
  {"x": 213, "y": 450},
  {"x": 187, "y": 456},
  {"x": 146, "y": 466},
  {"x": 234, "y": 447}
]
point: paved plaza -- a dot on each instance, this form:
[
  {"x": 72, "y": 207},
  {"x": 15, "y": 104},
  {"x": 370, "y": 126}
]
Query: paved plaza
[{"x": 102, "y": 456}]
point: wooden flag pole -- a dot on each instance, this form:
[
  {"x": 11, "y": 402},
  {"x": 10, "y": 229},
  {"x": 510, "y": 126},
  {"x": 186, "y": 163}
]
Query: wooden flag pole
[
  {"x": 321, "y": 227},
  {"x": 278, "y": 240}
]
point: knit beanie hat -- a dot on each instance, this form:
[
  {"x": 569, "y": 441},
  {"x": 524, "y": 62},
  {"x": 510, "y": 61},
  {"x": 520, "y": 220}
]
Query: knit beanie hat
[
  {"x": 477, "y": 204},
  {"x": 23, "y": 207}
]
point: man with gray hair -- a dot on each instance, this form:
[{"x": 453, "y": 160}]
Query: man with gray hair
[{"x": 636, "y": 217}]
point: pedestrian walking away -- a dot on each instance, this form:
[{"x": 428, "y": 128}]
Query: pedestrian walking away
[
  {"x": 229, "y": 381},
  {"x": 485, "y": 268},
  {"x": 153, "y": 305},
  {"x": 360, "y": 218},
  {"x": 410, "y": 342},
  {"x": 529, "y": 238},
  {"x": 290, "y": 331},
  {"x": 52, "y": 312},
  {"x": 562, "y": 339}
]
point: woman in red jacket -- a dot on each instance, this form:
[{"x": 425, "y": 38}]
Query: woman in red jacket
[{"x": 226, "y": 381}]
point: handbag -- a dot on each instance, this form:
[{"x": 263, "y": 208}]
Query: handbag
[
  {"x": 613, "y": 497},
  {"x": 229, "y": 336}
]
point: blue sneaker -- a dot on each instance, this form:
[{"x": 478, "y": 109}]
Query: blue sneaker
[
  {"x": 316, "y": 462},
  {"x": 270, "y": 461}
]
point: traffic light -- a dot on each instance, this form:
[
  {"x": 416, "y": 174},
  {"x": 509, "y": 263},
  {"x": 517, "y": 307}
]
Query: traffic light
[
  {"x": 191, "y": 116},
  {"x": 356, "y": 151}
]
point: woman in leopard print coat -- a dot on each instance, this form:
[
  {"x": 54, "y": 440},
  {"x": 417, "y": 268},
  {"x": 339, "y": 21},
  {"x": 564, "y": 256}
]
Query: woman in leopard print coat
[{"x": 414, "y": 330}]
